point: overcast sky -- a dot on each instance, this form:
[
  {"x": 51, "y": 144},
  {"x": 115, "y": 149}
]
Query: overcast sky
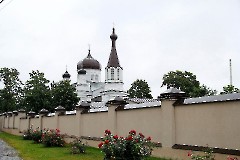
[{"x": 154, "y": 37}]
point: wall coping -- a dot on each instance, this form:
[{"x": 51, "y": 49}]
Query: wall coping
[{"x": 202, "y": 148}]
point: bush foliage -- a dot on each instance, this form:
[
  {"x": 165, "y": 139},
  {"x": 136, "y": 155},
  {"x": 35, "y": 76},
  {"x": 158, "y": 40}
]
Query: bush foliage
[
  {"x": 78, "y": 146},
  {"x": 53, "y": 138},
  {"x": 134, "y": 146}
]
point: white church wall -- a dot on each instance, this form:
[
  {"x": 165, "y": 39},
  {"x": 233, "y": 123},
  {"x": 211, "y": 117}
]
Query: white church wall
[
  {"x": 96, "y": 86},
  {"x": 83, "y": 90},
  {"x": 114, "y": 86},
  {"x": 93, "y": 75},
  {"x": 81, "y": 79},
  {"x": 99, "y": 91}
]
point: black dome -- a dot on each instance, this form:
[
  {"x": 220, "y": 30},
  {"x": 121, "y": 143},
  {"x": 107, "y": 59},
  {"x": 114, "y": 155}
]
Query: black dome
[
  {"x": 113, "y": 36},
  {"x": 88, "y": 63},
  {"x": 66, "y": 75}
]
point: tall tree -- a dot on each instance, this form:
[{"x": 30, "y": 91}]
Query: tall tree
[
  {"x": 10, "y": 95},
  {"x": 37, "y": 92},
  {"x": 139, "y": 89},
  {"x": 187, "y": 82},
  {"x": 230, "y": 89},
  {"x": 64, "y": 94}
]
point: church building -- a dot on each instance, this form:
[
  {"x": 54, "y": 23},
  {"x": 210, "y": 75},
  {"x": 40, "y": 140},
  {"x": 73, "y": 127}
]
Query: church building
[{"x": 89, "y": 86}]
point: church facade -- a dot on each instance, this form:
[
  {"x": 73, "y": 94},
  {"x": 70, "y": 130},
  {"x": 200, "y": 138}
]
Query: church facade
[{"x": 89, "y": 86}]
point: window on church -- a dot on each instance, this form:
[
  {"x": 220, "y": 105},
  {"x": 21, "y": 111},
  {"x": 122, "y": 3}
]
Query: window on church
[
  {"x": 92, "y": 77},
  {"x": 118, "y": 73},
  {"x": 112, "y": 73},
  {"x": 96, "y": 78},
  {"x": 107, "y": 75}
]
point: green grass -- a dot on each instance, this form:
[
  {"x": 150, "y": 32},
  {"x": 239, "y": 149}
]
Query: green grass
[{"x": 31, "y": 151}]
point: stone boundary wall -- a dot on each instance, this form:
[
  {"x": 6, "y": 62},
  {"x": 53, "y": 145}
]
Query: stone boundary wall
[{"x": 214, "y": 124}]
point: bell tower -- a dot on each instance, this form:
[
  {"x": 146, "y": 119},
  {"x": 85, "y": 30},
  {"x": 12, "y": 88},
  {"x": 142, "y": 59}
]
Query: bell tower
[
  {"x": 113, "y": 74},
  {"x": 113, "y": 71}
]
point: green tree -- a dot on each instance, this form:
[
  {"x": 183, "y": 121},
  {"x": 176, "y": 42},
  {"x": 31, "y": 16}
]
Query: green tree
[
  {"x": 230, "y": 89},
  {"x": 187, "y": 82},
  {"x": 139, "y": 89},
  {"x": 10, "y": 95},
  {"x": 37, "y": 92},
  {"x": 206, "y": 91},
  {"x": 64, "y": 94}
]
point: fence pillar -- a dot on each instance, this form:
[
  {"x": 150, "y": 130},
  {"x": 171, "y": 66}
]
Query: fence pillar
[
  {"x": 80, "y": 109},
  {"x": 168, "y": 99},
  {"x": 58, "y": 112},
  {"x": 15, "y": 114},
  {"x": 1, "y": 121},
  {"x": 4, "y": 120},
  {"x": 21, "y": 114},
  {"x": 9, "y": 118},
  {"x": 113, "y": 105},
  {"x": 43, "y": 112},
  {"x": 30, "y": 115}
]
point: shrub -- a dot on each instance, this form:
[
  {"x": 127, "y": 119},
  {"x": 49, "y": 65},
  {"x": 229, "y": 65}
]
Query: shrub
[
  {"x": 52, "y": 138},
  {"x": 134, "y": 146},
  {"x": 208, "y": 155},
  {"x": 37, "y": 135},
  {"x": 27, "y": 135},
  {"x": 77, "y": 146}
]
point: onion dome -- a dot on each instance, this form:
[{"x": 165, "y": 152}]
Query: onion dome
[
  {"x": 88, "y": 63},
  {"x": 113, "y": 36},
  {"x": 66, "y": 75}
]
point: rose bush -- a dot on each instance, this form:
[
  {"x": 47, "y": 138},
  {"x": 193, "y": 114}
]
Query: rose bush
[
  {"x": 37, "y": 135},
  {"x": 53, "y": 138},
  {"x": 27, "y": 135},
  {"x": 134, "y": 146},
  {"x": 78, "y": 146}
]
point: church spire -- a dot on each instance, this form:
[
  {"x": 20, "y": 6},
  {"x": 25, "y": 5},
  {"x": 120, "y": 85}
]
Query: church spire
[
  {"x": 89, "y": 53},
  {"x": 113, "y": 58}
]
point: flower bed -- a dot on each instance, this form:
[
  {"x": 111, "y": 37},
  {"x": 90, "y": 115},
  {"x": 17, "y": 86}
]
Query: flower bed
[{"x": 134, "y": 146}]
